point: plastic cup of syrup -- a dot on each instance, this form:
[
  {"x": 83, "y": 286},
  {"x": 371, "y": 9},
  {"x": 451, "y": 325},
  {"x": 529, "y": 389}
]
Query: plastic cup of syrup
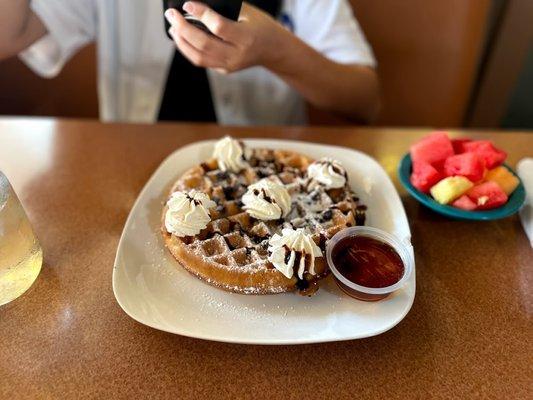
[{"x": 369, "y": 264}]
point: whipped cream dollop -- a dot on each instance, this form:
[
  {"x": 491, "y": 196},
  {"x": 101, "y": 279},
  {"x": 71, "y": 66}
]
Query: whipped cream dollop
[
  {"x": 230, "y": 155},
  {"x": 187, "y": 213},
  {"x": 267, "y": 200},
  {"x": 293, "y": 249},
  {"x": 328, "y": 172}
]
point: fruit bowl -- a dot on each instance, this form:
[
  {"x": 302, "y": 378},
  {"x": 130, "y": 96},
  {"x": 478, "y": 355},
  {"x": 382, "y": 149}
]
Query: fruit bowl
[{"x": 515, "y": 202}]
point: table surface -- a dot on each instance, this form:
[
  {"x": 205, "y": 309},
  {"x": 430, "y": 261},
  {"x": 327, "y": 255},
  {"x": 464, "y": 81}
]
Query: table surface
[{"x": 468, "y": 334}]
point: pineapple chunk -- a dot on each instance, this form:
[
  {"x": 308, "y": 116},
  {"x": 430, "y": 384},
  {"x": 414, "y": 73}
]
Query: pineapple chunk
[
  {"x": 450, "y": 189},
  {"x": 504, "y": 178}
]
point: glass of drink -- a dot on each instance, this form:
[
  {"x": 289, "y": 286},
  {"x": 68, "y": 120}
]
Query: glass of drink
[{"x": 21, "y": 256}]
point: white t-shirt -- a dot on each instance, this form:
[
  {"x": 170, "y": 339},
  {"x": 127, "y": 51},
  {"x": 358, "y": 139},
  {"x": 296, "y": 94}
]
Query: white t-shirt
[{"x": 134, "y": 56}]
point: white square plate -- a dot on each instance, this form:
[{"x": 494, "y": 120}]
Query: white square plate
[{"x": 151, "y": 288}]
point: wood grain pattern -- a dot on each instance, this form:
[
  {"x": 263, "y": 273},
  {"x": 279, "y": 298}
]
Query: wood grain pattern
[{"x": 467, "y": 335}]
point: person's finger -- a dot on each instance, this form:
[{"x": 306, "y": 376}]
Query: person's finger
[
  {"x": 216, "y": 23},
  {"x": 203, "y": 41},
  {"x": 199, "y": 39},
  {"x": 195, "y": 56},
  {"x": 173, "y": 16}
]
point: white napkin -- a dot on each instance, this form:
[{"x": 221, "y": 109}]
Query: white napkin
[{"x": 525, "y": 171}]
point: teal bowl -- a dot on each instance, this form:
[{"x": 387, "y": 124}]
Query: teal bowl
[{"x": 515, "y": 202}]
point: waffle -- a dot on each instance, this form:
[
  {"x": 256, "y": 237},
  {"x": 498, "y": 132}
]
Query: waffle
[{"x": 231, "y": 253}]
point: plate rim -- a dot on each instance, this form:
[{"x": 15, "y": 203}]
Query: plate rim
[
  {"x": 515, "y": 202},
  {"x": 259, "y": 341}
]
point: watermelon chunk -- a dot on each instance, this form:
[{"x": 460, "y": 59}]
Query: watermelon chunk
[
  {"x": 433, "y": 149},
  {"x": 487, "y": 195},
  {"x": 468, "y": 165},
  {"x": 492, "y": 156},
  {"x": 464, "y": 203},
  {"x": 459, "y": 145},
  {"x": 424, "y": 176}
]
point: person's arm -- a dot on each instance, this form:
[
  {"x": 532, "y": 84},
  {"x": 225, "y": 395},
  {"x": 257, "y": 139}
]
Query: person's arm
[
  {"x": 351, "y": 91},
  {"x": 257, "y": 39},
  {"x": 19, "y": 27}
]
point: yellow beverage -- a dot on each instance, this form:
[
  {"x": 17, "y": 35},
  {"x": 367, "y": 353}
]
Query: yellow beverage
[{"x": 21, "y": 255}]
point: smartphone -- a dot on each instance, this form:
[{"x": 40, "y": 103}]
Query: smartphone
[{"x": 227, "y": 8}]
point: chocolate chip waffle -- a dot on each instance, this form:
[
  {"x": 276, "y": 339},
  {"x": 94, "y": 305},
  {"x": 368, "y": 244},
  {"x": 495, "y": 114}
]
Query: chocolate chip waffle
[{"x": 231, "y": 253}]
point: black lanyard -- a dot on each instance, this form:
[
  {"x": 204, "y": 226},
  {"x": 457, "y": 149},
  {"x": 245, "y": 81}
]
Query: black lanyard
[
  {"x": 272, "y": 7},
  {"x": 187, "y": 95}
]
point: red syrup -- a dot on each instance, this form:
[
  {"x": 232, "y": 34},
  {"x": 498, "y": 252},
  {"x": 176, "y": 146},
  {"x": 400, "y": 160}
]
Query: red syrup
[{"x": 367, "y": 262}]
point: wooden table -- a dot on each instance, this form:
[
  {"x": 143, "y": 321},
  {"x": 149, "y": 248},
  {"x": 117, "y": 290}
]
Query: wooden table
[{"x": 468, "y": 334}]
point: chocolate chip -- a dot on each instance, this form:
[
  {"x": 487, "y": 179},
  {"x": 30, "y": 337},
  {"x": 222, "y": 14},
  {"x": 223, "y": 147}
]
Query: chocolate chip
[
  {"x": 360, "y": 218},
  {"x": 256, "y": 239},
  {"x": 327, "y": 215},
  {"x": 229, "y": 192},
  {"x": 302, "y": 284},
  {"x": 322, "y": 241},
  {"x": 315, "y": 195},
  {"x": 264, "y": 172},
  {"x": 222, "y": 175}
]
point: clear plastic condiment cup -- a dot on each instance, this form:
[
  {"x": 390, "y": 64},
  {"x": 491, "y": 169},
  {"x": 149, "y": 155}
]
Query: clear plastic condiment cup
[{"x": 404, "y": 250}]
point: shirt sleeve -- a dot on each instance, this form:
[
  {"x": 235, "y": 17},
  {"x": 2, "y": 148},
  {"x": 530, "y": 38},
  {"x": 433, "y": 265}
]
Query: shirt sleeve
[
  {"x": 71, "y": 24},
  {"x": 330, "y": 27}
]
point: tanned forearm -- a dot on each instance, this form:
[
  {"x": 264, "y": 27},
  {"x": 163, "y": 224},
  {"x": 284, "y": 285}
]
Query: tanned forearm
[
  {"x": 351, "y": 91},
  {"x": 19, "y": 27}
]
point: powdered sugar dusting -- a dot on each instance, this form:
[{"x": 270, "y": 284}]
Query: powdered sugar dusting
[{"x": 235, "y": 241}]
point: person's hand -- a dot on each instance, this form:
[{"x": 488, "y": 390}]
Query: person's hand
[{"x": 254, "y": 40}]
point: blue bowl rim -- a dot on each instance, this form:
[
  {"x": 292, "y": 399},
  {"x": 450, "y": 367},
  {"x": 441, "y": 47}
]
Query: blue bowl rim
[{"x": 515, "y": 202}]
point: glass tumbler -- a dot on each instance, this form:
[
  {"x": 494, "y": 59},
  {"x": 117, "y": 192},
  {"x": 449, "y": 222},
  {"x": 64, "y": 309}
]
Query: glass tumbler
[{"x": 21, "y": 256}]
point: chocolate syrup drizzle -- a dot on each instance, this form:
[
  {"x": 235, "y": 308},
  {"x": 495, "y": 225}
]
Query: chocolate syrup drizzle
[{"x": 297, "y": 216}]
